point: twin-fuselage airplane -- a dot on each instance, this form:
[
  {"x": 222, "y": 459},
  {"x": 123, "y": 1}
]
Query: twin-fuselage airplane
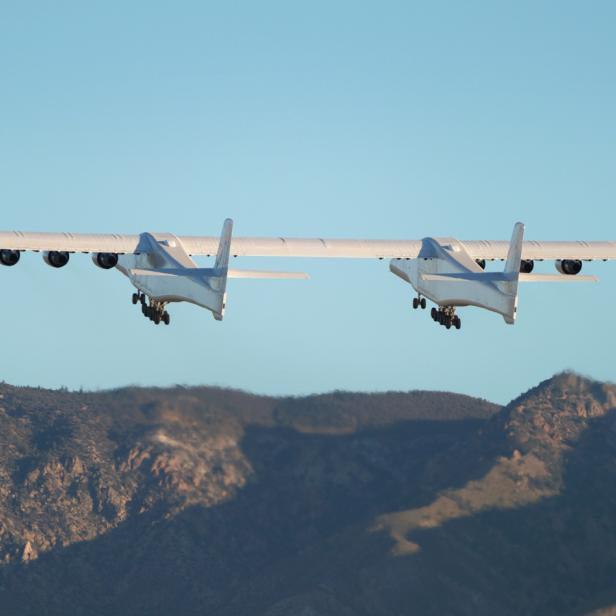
[{"x": 446, "y": 271}]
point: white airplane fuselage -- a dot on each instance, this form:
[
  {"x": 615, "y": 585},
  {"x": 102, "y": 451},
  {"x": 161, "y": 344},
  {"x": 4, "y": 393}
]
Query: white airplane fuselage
[{"x": 446, "y": 274}]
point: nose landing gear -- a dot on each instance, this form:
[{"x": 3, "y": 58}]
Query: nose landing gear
[{"x": 419, "y": 302}]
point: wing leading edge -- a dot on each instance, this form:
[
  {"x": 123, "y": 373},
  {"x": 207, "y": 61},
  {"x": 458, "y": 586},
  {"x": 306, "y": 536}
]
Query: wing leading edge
[{"x": 302, "y": 247}]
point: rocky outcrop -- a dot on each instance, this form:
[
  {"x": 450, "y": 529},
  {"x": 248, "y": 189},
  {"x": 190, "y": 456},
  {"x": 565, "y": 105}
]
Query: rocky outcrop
[{"x": 202, "y": 500}]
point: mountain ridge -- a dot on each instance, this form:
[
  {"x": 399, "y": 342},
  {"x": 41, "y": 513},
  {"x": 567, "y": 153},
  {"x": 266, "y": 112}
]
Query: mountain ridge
[{"x": 203, "y": 500}]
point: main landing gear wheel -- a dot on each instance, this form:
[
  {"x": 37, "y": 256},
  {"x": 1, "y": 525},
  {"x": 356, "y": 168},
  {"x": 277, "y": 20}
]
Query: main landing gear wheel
[
  {"x": 446, "y": 316},
  {"x": 155, "y": 310},
  {"x": 422, "y": 303},
  {"x": 415, "y": 303}
]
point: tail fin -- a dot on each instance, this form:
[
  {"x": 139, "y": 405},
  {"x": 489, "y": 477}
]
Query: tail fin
[
  {"x": 221, "y": 269},
  {"x": 224, "y": 246},
  {"x": 509, "y": 286},
  {"x": 514, "y": 256}
]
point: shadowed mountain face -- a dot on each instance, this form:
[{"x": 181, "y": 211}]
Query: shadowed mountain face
[{"x": 209, "y": 501}]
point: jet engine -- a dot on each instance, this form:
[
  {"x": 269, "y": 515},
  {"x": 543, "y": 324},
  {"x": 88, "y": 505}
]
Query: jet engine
[
  {"x": 570, "y": 267},
  {"x": 526, "y": 266},
  {"x": 105, "y": 260},
  {"x": 56, "y": 258},
  {"x": 9, "y": 257}
]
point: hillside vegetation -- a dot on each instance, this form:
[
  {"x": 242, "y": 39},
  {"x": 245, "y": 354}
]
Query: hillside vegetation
[{"x": 212, "y": 501}]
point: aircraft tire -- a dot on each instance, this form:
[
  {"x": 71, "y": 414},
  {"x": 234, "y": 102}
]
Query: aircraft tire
[
  {"x": 433, "y": 314},
  {"x": 422, "y": 303},
  {"x": 166, "y": 318},
  {"x": 135, "y": 298},
  {"x": 415, "y": 303}
]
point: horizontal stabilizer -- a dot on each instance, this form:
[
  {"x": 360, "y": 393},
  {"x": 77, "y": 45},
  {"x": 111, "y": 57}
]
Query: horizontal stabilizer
[
  {"x": 209, "y": 272},
  {"x": 504, "y": 277},
  {"x": 556, "y": 278},
  {"x": 239, "y": 273},
  {"x": 178, "y": 271},
  {"x": 468, "y": 276}
]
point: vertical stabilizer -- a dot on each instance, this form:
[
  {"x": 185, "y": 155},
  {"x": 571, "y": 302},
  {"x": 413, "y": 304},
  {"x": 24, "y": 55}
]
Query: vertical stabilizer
[
  {"x": 221, "y": 268},
  {"x": 509, "y": 286},
  {"x": 224, "y": 246},
  {"x": 514, "y": 256}
]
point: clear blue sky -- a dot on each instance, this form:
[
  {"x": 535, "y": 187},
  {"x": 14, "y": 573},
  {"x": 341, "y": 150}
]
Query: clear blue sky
[{"x": 341, "y": 119}]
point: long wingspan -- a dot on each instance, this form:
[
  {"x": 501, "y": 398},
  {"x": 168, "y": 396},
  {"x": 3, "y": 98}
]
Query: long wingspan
[{"x": 303, "y": 247}]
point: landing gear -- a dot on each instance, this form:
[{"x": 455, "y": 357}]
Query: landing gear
[
  {"x": 419, "y": 302},
  {"x": 446, "y": 315},
  {"x": 138, "y": 297},
  {"x": 155, "y": 310}
]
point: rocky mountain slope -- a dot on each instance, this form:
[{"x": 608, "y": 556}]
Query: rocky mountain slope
[{"x": 210, "y": 501}]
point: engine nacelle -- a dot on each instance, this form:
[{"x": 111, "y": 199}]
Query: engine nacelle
[
  {"x": 569, "y": 267},
  {"x": 526, "y": 266},
  {"x": 55, "y": 258},
  {"x": 9, "y": 257},
  {"x": 105, "y": 260}
]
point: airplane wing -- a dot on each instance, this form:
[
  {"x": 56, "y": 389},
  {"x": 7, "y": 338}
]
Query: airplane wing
[
  {"x": 544, "y": 250},
  {"x": 68, "y": 242},
  {"x": 303, "y": 247},
  {"x": 208, "y": 246}
]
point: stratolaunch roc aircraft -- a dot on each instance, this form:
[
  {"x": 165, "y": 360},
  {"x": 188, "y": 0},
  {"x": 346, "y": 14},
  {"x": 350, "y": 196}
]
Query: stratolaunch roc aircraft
[{"x": 444, "y": 270}]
